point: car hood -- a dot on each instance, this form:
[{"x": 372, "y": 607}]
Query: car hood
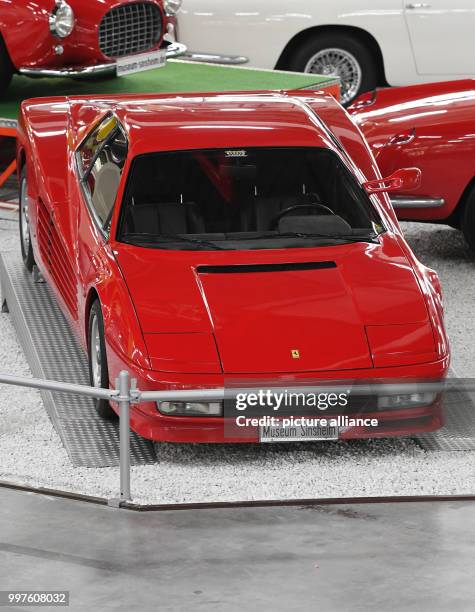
[
  {"x": 100, "y": 6},
  {"x": 274, "y": 311}
]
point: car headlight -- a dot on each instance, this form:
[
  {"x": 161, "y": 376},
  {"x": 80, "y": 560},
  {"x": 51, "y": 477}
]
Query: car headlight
[
  {"x": 61, "y": 20},
  {"x": 172, "y": 7},
  {"x": 413, "y": 400},
  {"x": 191, "y": 408}
]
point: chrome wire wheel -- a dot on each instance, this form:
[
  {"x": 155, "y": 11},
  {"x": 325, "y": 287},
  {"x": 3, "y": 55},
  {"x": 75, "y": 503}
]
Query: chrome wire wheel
[
  {"x": 25, "y": 219},
  {"x": 95, "y": 353},
  {"x": 338, "y": 63}
]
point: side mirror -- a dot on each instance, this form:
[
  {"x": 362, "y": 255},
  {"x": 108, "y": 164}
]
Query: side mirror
[{"x": 407, "y": 179}]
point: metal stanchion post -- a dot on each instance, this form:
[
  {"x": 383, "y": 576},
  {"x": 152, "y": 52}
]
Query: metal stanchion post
[{"x": 123, "y": 385}]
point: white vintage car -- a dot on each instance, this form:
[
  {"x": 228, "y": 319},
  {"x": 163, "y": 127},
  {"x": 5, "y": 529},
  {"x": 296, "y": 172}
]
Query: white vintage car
[{"x": 365, "y": 42}]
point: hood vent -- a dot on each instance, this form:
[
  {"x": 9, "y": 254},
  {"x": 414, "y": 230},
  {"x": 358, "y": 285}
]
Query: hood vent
[{"x": 253, "y": 268}]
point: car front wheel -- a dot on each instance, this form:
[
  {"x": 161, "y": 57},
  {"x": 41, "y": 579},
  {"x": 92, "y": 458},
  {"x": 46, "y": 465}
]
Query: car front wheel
[
  {"x": 24, "y": 218},
  {"x": 339, "y": 55},
  {"x": 98, "y": 370}
]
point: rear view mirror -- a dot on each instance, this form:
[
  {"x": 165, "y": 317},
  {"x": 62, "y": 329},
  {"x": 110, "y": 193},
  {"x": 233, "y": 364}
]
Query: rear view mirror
[{"x": 406, "y": 179}]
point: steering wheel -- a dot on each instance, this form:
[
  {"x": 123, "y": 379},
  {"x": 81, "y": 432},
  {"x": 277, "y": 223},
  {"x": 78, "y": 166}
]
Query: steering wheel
[{"x": 286, "y": 211}]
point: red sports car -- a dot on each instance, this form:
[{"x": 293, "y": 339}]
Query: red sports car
[
  {"x": 83, "y": 38},
  {"x": 432, "y": 127},
  {"x": 205, "y": 239}
]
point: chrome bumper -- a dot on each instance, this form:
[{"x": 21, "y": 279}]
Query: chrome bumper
[
  {"x": 212, "y": 58},
  {"x": 173, "y": 50}
]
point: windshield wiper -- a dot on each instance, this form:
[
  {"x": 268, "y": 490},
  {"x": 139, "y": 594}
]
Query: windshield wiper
[
  {"x": 345, "y": 237},
  {"x": 171, "y": 238}
]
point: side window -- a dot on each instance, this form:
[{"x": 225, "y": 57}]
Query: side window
[{"x": 101, "y": 159}]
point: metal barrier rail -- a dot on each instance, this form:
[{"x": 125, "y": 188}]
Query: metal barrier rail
[{"x": 126, "y": 394}]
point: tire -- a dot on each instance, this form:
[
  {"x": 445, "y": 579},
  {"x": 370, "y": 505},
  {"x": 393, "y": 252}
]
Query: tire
[
  {"x": 6, "y": 68},
  {"x": 24, "y": 224},
  {"x": 97, "y": 357},
  {"x": 358, "y": 68},
  {"x": 468, "y": 220}
]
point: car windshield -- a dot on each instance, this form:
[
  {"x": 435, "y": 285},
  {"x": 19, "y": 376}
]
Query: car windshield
[{"x": 238, "y": 199}]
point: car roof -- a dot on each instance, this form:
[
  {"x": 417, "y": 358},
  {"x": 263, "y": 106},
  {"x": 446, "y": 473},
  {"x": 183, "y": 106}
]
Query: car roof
[{"x": 188, "y": 121}]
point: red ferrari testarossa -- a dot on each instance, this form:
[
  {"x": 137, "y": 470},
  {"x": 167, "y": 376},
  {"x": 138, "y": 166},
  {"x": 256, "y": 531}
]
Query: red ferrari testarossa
[{"x": 203, "y": 237}]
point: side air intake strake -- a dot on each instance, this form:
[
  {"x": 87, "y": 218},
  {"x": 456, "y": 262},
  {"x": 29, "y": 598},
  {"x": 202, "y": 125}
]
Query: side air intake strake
[{"x": 55, "y": 257}]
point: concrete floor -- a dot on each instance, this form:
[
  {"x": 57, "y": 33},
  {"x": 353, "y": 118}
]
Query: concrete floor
[{"x": 411, "y": 556}]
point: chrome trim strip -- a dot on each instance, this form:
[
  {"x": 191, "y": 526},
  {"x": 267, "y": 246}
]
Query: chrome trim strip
[
  {"x": 69, "y": 72},
  {"x": 320, "y": 86},
  {"x": 173, "y": 50},
  {"x": 8, "y": 123},
  {"x": 212, "y": 58},
  {"x": 417, "y": 202}
]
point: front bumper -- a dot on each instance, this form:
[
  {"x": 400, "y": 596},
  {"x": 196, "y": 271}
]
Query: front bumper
[
  {"x": 148, "y": 422},
  {"x": 402, "y": 423},
  {"x": 215, "y": 58},
  {"x": 173, "y": 50}
]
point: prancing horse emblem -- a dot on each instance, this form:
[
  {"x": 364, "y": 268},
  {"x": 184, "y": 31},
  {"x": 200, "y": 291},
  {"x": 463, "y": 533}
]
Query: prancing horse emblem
[{"x": 295, "y": 354}]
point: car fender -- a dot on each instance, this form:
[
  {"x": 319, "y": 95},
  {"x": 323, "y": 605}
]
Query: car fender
[
  {"x": 124, "y": 339},
  {"x": 431, "y": 288},
  {"x": 46, "y": 158},
  {"x": 43, "y": 136},
  {"x": 33, "y": 39}
]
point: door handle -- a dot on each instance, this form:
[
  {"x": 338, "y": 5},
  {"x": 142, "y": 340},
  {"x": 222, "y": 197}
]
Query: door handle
[
  {"x": 418, "y": 5},
  {"x": 402, "y": 138}
]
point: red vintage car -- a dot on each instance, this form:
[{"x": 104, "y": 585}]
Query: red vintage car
[
  {"x": 430, "y": 126},
  {"x": 80, "y": 38},
  {"x": 204, "y": 240}
]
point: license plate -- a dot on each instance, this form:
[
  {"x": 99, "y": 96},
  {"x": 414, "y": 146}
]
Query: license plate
[
  {"x": 280, "y": 433},
  {"x": 141, "y": 62}
]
